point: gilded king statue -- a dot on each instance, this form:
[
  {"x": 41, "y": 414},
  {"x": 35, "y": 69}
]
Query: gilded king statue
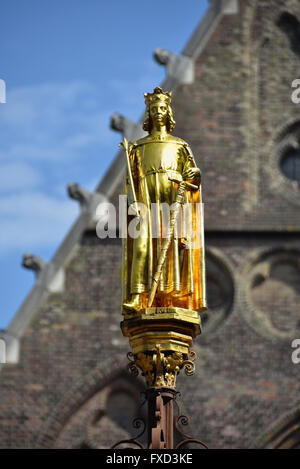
[{"x": 165, "y": 268}]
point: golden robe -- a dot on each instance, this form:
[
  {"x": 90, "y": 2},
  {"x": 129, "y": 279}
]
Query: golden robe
[{"x": 182, "y": 284}]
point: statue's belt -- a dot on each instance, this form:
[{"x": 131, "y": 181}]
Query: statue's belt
[{"x": 170, "y": 172}]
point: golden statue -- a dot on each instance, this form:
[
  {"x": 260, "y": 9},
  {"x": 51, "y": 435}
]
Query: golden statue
[{"x": 165, "y": 269}]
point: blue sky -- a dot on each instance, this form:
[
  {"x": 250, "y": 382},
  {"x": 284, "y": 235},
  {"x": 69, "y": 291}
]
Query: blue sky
[{"x": 68, "y": 66}]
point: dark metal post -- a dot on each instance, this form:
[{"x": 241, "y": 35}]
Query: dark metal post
[{"x": 160, "y": 418}]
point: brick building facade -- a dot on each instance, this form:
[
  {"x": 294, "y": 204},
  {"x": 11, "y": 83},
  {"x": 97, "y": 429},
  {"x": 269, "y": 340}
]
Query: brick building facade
[{"x": 65, "y": 384}]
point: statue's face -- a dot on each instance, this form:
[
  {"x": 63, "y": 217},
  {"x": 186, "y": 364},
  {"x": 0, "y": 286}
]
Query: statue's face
[{"x": 158, "y": 113}]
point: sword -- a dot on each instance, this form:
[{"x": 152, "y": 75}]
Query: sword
[
  {"x": 182, "y": 187},
  {"x": 124, "y": 144}
]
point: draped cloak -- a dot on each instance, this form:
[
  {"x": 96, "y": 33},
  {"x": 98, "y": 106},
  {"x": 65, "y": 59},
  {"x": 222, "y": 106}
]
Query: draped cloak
[{"x": 154, "y": 160}]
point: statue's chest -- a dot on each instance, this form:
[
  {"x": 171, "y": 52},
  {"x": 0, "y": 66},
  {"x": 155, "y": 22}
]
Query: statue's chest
[{"x": 158, "y": 156}]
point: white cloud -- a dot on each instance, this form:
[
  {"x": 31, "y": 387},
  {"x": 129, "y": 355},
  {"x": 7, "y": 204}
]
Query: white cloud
[
  {"x": 17, "y": 175},
  {"x": 52, "y": 121}
]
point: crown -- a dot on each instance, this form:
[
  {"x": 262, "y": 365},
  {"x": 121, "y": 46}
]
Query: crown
[{"x": 158, "y": 95}]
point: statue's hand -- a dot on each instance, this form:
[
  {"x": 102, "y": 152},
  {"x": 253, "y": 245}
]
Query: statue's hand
[{"x": 191, "y": 173}]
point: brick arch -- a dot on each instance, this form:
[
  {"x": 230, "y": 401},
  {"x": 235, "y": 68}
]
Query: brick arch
[
  {"x": 219, "y": 270},
  {"x": 78, "y": 395},
  {"x": 256, "y": 269},
  {"x": 284, "y": 434},
  {"x": 283, "y": 130}
]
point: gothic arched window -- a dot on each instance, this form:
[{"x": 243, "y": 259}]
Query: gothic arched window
[
  {"x": 290, "y": 165},
  {"x": 285, "y": 171}
]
